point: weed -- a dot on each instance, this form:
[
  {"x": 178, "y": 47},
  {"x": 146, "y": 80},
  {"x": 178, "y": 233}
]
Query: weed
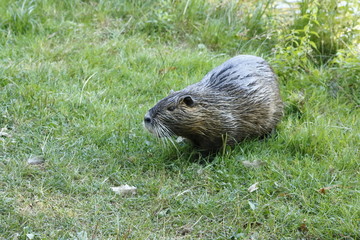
[{"x": 20, "y": 17}]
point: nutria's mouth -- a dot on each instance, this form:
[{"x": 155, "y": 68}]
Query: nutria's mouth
[{"x": 149, "y": 128}]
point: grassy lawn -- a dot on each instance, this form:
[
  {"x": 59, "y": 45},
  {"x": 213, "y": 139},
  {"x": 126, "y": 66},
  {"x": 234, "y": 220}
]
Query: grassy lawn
[{"x": 77, "y": 77}]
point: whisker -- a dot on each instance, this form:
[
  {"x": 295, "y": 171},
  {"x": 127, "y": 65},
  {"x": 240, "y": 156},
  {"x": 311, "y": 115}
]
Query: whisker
[
  {"x": 164, "y": 133},
  {"x": 169, "y": 133}
]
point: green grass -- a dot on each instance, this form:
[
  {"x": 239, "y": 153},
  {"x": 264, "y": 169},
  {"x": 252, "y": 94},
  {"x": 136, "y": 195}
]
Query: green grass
[{"x": 77, "y": 77}]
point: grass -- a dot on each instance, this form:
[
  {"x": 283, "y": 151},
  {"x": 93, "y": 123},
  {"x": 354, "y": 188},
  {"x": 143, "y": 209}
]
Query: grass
[{"x": 76, "y": 78}]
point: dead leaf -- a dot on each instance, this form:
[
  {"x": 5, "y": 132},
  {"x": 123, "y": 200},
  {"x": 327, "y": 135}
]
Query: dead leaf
[
  {"x": 36, "y": 160},
  {"x": 324, "y": 189},
  {"x": 284, "y": 195},
  {"x": 252, "y": 224},
  {"x": 30, "y": 236},
  {"x": 184, "y": 231},
  {"x": 303, "y": 227},
  {"x": 253, "y": 164},
  {"x": 3, "y": 133},
  {"x": 166, "y": 70},
  {"x": 124, "y": 190},
  {"x": 252, "y": 205},
  {"x": 253, "y": 187}
]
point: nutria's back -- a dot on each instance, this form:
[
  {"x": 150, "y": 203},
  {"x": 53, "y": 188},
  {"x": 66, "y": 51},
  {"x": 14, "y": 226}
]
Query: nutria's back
[{"x": 238, "y": 99}]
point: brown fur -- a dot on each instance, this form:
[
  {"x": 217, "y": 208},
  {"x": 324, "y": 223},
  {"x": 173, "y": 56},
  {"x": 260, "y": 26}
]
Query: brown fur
[{"x": 237, "y": 100}]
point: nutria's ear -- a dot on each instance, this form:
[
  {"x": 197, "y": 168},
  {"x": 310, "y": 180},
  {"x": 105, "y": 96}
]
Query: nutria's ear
[{"x": 188, "y": 100}]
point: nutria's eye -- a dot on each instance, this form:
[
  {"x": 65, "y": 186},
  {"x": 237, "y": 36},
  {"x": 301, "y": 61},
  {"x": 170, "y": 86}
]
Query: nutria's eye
[{"x": 171, "y": 108}]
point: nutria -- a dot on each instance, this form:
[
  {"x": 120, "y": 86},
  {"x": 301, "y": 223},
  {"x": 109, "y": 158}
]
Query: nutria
[{"x": 237, "y": 100}]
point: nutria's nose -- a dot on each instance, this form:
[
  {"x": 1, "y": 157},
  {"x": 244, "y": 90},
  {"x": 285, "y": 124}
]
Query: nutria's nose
[{"x": 147, "y": 118}]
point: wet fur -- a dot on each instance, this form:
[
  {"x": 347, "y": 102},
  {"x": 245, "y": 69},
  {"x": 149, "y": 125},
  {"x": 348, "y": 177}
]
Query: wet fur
[{"x": 237, "y": 100}]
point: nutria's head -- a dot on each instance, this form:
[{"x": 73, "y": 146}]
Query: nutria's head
[
  {"x": 197, "y": 115},
  {"x": 169, "y": 116}
]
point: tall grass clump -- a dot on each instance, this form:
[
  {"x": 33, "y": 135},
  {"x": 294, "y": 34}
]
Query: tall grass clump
[
  {"x": 321, "y": 35},
  {"x": 332, "y": 26},
  {"x": 216, "y": 25},
  {"x": 19, "y": 16},
  {"x": 345, "y": 76}
]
